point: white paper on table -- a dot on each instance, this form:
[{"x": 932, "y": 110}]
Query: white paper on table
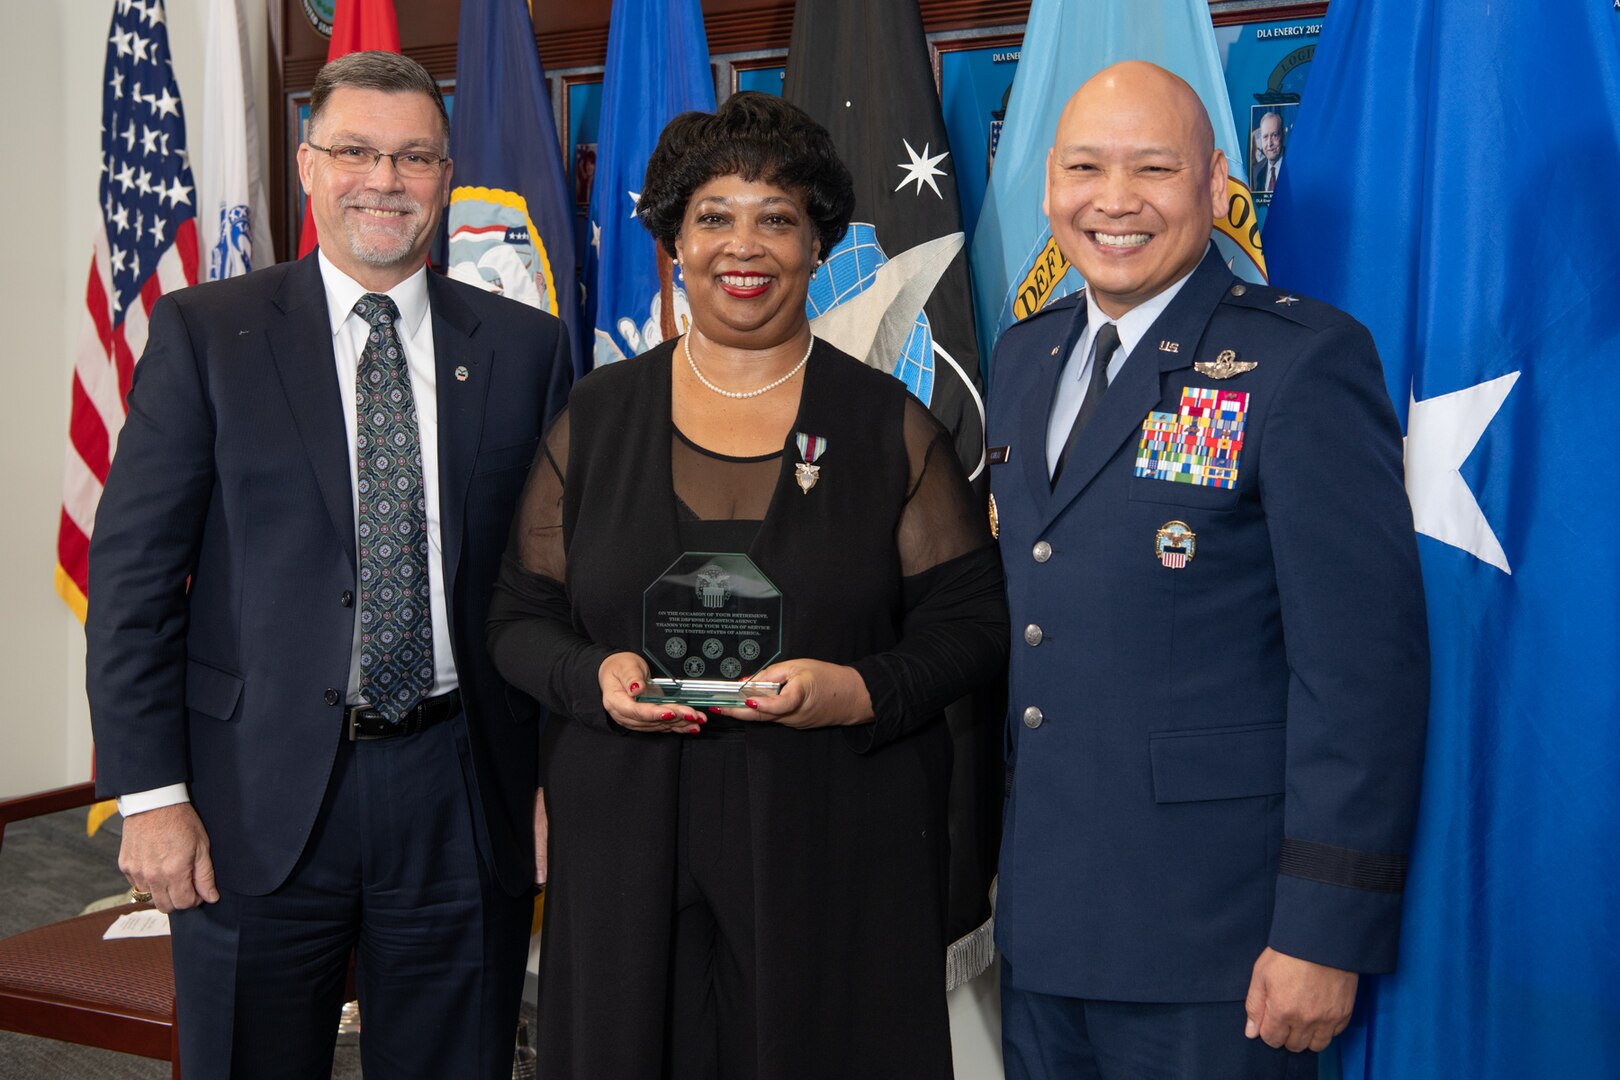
[{"x": 147, "y": 923}]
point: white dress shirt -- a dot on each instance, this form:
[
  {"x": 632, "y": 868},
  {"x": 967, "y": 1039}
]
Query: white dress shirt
[
  {"x": 1071, "y": 388},
  {"x": 349, "y": 333}
]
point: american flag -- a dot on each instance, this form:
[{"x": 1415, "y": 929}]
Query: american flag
[{"x": 145, "y": 246}]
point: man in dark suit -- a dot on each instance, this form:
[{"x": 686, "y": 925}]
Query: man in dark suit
[
  {"x": 290, "y": 571},
  {"x": 1269, "y": 140},
  {"x": 1219, "y": 671}
]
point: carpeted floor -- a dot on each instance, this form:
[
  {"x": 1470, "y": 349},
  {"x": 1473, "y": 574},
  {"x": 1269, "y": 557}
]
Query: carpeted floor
[{"x": 50, "y": 870}]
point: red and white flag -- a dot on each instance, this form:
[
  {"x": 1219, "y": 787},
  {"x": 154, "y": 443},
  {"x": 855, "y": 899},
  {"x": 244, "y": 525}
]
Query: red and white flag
[{"x": 145, "y": 245}]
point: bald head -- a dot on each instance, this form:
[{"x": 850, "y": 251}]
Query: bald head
[
  {"x": 1134, "y": 182},
  {"x": 1137, "y": 85}
]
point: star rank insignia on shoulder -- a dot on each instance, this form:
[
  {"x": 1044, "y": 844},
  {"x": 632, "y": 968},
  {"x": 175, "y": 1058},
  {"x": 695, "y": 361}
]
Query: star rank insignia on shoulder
[
  {"x": 1224, "y": 366},
  {"x": 1287, "y": 300}
]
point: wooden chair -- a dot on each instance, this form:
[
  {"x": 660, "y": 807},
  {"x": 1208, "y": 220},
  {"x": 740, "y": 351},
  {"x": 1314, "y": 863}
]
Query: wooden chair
[{"x": 63, "y": 982}]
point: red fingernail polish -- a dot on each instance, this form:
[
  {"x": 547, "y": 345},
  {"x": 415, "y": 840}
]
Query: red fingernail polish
[
  {"x": 635, "y": 687},
  {"x": 714, "y": 708},
  {"x": 693, "y": 730},
  {"x": 666, "y": 716},
  {"x": 751, "y": 703}
]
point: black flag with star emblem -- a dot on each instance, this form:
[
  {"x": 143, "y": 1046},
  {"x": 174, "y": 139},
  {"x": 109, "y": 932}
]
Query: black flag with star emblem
[
  {"x": 895, "y": 293},
  {"x": 861, "y": 68}
]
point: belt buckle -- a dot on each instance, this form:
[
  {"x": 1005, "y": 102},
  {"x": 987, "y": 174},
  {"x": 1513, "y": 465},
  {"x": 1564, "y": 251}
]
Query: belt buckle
[{"x": 351, "y": 722}]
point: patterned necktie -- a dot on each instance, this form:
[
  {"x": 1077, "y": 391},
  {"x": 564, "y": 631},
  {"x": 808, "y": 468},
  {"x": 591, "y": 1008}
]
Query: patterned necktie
[
  {"x": 1102, "y": 351},
  {"x": 396, "y": 630}
]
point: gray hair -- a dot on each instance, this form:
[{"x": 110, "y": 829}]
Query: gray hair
[{"x": 376, "y": 70}]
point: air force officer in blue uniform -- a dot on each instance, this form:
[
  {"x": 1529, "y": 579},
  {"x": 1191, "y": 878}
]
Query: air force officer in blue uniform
[
  {"x": 1219, "y": 672},
  {"x": 289, "y": 577}
]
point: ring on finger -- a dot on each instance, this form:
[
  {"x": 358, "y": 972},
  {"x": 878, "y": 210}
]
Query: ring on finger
[{"x": 139, "y": 896}]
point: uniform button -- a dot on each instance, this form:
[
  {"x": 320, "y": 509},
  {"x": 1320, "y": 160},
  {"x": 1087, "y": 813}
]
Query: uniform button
[
  {"x": 1239, "y": 289},
  {"x": 347, "y": 599},
  {"x": 332, "y": 696},
  {"x": 1042, "y": 551},
  {"x": 1033, "y": 717},
  {"x": 1033, "y": 635}
]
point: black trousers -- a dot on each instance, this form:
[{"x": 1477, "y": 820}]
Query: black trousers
[
  {"x": 711, "y": 1023},
  {"x": 393, "y": 873}
]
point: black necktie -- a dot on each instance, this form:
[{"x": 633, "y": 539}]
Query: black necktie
[
  {"x": 396, "y": 631},
  {"x": 1102, "y": 351}
]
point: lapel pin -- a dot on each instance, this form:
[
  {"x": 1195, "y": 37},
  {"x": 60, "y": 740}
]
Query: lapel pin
[
  {"x": 461, "y": 373},
  {"x": 1224, "y": 366},
  {"x": 995, "y": 521},
  {"x": 1054, "y": 350},
  {"x": 1287, "y": 299},
  {"x": 1175, "y": 544},
  {"x": 807, "y": 472},
  {"x": 1170, "y": 346}
]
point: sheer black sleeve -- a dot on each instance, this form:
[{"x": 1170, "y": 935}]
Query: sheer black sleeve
[
  {"x": 955, "y": 633},
  {"x": 532, "y": 637}
]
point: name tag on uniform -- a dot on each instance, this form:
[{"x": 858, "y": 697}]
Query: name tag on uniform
[
  {"x": 997, "y": 455},
  {"x": 1200, "y": 444}
]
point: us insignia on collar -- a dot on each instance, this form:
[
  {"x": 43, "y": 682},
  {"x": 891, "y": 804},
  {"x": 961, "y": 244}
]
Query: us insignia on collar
[{"x": 1224, "y": 366}]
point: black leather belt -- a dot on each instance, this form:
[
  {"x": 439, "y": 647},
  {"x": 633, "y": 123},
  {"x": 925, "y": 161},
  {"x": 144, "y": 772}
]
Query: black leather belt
[{"x": 365, "y": 722}]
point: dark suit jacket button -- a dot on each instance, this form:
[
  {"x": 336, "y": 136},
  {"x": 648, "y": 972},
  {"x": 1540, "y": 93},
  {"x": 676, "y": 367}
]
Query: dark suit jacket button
[
  {"x": 347, "y": 599},
  {"x": 332, "y": 696}
]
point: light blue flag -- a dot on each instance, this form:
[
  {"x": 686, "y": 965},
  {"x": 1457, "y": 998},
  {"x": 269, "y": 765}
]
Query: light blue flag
[
  {"x": 1017, "y": 269},
  {"x": 1451, "y": 183},
  {"x": 657, "y": 68}
]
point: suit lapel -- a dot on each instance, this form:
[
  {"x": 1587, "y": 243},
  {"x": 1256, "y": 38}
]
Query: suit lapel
[
  {"x": 1036, "y": 407},
  {"x": 1137, "y": 388},
  {"x": 462, "y": 371},
  {"x": 300, "y": 334}
]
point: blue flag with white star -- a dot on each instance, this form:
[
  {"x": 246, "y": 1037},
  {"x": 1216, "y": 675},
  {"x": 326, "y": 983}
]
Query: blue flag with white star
[
  {"x": 657, "y": 68},
  {"x": 861, "y": 68},
  {"x": 1451, "y": 184}
]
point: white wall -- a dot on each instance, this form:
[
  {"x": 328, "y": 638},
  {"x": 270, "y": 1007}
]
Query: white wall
[{"x": 53, "y": 56}]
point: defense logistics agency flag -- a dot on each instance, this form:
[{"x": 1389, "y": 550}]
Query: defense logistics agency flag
[
  {"x": 357, "y": 26},
  {"x": 1436, "y": 139},
  {"x": 894, "y": 292},
  {"x": 145, "y": 245},
  {"x": 657, "y": 67},
  {"x": 1017, "y": 269},
  {"x": 510, "y": 221}
]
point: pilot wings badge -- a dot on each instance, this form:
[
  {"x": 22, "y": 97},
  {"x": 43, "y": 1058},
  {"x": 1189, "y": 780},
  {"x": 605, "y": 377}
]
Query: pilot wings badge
[{"x": 1224, "y": 366}]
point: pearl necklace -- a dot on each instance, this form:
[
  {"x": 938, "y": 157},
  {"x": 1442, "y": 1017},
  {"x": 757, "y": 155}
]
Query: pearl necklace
[{"x": 686, "y": 346}]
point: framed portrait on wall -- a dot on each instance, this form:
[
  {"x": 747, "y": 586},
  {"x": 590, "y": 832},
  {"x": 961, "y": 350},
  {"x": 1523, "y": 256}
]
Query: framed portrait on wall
[
  {"x": 1267, "y": 61},
  {"x": 582, "y": 119},
  {"x": 763, "y": 72}
]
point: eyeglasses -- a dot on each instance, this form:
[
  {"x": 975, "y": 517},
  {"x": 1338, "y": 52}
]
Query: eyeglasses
[{"x": 411, "y": 164}]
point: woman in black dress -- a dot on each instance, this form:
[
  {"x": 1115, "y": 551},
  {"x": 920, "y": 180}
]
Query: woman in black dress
[{"x": 753, "y": 892}]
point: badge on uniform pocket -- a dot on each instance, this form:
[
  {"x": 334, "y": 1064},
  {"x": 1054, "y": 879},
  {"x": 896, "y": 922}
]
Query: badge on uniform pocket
[{"x": 1199, "y": 445}]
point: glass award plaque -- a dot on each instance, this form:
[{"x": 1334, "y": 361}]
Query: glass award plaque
[{"x": 709, "y": 621}]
